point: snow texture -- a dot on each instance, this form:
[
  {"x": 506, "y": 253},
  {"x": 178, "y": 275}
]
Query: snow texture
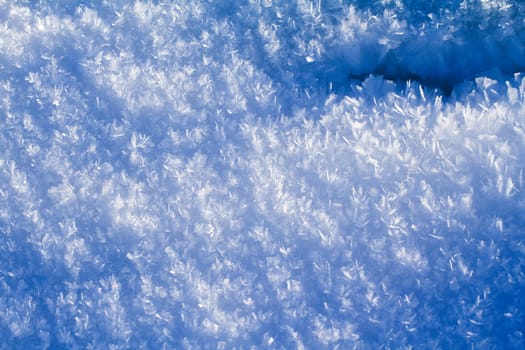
[{"x": 310, "y": 174}]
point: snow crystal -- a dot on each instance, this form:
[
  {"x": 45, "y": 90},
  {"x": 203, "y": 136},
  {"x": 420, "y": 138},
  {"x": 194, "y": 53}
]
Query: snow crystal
[{"x": 262, "y": 174}]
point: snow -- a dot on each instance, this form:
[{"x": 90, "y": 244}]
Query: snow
[{"x": 262, "y": 174}]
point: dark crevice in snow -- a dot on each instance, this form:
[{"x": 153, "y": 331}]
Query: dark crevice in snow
[
  {"x": 442, "y": 71},
  {"x": 441, "y": 65}
]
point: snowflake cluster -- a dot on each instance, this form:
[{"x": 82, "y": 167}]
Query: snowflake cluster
[{"x": 262, "y": 174}]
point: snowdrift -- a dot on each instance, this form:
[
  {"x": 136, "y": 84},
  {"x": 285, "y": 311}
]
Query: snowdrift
[{"x": 262, "y": 174}]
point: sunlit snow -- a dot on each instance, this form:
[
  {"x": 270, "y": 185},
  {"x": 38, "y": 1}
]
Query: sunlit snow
[{"x": 258, "y": 174}]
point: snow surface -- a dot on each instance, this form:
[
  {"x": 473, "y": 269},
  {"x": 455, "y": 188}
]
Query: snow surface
[{"x": 262, "y": 174}]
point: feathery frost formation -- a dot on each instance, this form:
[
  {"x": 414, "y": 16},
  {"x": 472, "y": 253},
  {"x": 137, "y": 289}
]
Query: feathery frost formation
[{"x": 262, "y": 174}]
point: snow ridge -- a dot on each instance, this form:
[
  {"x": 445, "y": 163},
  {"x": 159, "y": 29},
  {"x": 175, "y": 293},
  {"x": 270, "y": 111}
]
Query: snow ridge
[{"x": 261, "y": 174}]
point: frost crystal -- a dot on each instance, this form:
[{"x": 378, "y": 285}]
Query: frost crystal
[{"x": 262, "y": 174}]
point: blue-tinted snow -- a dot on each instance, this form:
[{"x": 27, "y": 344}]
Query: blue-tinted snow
[{"x": 262, "y": 174}]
